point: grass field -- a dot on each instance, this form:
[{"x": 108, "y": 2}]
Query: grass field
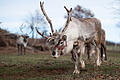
[{"x": 44, "y": 67}]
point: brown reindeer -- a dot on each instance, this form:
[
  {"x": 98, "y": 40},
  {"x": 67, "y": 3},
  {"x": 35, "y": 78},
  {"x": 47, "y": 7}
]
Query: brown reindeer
[
  {"x": 91, "y": 47},
  {"x": 103, "y": 46}
]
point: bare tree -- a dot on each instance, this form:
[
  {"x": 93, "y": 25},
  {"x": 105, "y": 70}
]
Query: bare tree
[
  {"x": 36, "y": 20},
  {"x": 80, "y": 12},
  {"x": 117, "y": 11},
  {"x": 116, "y": 8}
]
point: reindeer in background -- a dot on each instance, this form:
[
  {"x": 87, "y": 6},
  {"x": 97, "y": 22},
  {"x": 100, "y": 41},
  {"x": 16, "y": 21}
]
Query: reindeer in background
[
  {"x": 90, "y": 47},
  {"x": 74, "y": 29},
  {"x": 103, "y": 46},
  {"x": 21, "y": 43}
]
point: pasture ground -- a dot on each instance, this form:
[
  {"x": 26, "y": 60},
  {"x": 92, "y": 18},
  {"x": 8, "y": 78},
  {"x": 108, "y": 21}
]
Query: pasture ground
[{"x": 44, "y": 67}]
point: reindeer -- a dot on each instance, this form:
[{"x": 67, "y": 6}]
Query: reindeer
[
  {"x": 90, "y": 47},
  {"x": 78, "y": 51},
  {"x": 21, "y": 43},
  {"x": 62, "y": 42},
  {"x": 103, "y": 46}
]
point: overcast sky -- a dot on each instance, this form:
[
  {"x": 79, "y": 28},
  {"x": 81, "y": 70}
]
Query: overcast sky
[{"x": 14, "y": 12}]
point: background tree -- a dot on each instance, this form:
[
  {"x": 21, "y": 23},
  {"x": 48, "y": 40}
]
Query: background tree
[
  {"x": 117, "y": 14},
  {"x": 117, "y": 11},
  {"x": 80, "y": 12},
  {"x": 34, "y": 20}
]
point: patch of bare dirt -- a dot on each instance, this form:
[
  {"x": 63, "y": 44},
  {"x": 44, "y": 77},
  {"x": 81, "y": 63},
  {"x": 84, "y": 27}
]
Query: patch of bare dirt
[{"x": 30, "y": 71}]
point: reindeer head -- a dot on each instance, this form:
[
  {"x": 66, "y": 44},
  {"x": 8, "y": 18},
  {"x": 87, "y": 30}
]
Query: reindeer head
[{"x": 56, "y": 40}]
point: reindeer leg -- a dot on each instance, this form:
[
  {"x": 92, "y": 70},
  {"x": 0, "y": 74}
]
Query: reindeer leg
[
  {"x": 18, "y": 49},
  {"x": 76, "y": 71},
  {"x": 98, "y": 56},
  {"x": 24, "y": 50},
  {"x": 97, "y": 44},
  {"x": 102, "y": 52},
  {"x": 82, "y": 51},
  {"x": 104, "y": 55},
  {"x": 87, "y": 50},
  {"x": 21, "y": 50},
  {"x": 73, "y": 56}
]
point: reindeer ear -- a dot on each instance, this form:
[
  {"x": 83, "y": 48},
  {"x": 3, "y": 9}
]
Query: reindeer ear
[{"x": 64, "y": 37}]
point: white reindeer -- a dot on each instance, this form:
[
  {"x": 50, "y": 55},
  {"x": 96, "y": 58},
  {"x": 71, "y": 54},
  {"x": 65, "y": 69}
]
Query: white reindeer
[
  {"x": 74, "y": 29},
  {"x": 21, "y": 43}
]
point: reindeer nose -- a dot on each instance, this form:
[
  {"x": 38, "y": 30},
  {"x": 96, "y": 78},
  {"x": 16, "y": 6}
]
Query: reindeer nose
[{"x": 53, "y": 53}]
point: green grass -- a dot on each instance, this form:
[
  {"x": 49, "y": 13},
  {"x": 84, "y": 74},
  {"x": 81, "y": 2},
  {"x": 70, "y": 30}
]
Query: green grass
[
  {"x": 113, "y": 48},
  {"x": 44, "y": 67}
]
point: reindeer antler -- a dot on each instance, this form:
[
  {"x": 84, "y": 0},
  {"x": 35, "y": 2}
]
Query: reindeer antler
[
  {"x": 68, "y": 18},
  {"x": 44, "y": 13},
  {"x": 41, "y": 33}
]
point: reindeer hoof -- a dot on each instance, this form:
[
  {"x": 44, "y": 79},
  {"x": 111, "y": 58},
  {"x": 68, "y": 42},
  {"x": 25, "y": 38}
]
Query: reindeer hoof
[
  {"x": 76, "y": 71},
  {"x": 98, "y": 63},
  {"x": 105, "y": 61}
]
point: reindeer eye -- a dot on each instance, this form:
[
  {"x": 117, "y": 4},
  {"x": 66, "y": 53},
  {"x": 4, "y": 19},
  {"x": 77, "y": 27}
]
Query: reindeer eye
[
  {"x": 61, "y": 42},
  {"x": 52, "y": 41}
]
